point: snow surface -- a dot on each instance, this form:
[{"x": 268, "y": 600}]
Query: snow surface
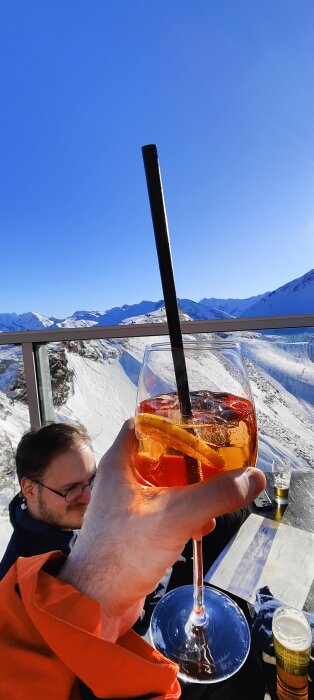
[
  {"x": 103, "y": 390},
  {"x": 103, "y": 395},
  {"x": 232, "y": 307},
  {"x": 296, "y": 297}
]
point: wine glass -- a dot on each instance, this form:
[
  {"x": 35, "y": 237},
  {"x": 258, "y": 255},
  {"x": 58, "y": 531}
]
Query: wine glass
[{"x": 198, "y": 627}]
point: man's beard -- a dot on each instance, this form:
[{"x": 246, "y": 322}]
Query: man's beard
[{"x": 71, "y": 518}]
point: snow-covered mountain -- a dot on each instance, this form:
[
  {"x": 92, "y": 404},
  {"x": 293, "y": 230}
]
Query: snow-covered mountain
[
  {"x": 295, "y": 297},
  {"x": 29, "y": 321},
  {"x": 231, "y": 307},
  {"x": 112, "y": 317}
]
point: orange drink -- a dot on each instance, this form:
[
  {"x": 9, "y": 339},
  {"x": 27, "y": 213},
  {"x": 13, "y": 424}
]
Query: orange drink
[{"x": 221, "y": 435}]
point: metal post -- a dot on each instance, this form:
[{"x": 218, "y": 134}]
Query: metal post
[
  {"x": 31, "y": 384},
  {"x": 44, "y": 384}
]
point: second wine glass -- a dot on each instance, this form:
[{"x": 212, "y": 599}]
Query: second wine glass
[{"x": 199, "y": 628}]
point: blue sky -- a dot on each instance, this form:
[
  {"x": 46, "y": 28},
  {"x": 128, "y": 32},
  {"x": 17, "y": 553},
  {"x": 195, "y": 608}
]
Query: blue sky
[{"x": 225, "y": 90}]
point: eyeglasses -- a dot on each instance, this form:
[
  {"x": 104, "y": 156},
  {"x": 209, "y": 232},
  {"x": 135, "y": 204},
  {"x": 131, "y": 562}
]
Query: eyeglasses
[{"x": 73, "y": 492}]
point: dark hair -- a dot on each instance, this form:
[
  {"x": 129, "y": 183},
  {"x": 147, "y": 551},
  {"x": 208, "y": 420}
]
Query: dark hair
[{"x": 39, "y": 446}]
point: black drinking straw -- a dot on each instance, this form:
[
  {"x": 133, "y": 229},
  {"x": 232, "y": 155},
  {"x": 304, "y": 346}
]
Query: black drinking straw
[
  {"x": 159, "y": 217},
  {"x": 160, "y": 224}
]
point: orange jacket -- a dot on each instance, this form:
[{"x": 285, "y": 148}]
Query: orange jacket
[{"x": 50, "y": 638}]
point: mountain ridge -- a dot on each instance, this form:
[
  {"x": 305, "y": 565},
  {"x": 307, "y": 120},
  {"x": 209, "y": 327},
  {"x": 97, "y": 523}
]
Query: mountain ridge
[
  {"x": 294, "y": 297},
  {"x": 297, "y": 295}
]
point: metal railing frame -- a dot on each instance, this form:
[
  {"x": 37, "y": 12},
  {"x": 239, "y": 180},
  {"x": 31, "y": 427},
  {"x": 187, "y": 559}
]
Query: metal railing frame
[{"x": 32, "y": 341}]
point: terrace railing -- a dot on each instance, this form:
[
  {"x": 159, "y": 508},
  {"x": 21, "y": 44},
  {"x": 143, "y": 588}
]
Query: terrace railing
[{"x": 35, "y": 357}]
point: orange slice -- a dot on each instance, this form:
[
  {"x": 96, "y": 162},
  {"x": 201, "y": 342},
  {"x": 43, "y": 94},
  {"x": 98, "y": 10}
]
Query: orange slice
[{"x": 178, "y": 438}]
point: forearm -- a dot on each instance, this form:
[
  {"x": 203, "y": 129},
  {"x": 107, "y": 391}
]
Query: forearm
[{"x": 118, "y": 613}]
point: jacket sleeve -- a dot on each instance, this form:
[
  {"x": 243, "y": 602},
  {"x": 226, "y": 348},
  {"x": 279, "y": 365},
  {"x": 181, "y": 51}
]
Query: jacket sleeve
[{"x": 59, "y": 630}]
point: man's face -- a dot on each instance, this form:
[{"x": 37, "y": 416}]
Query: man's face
[{"x": 74, "y": 467}]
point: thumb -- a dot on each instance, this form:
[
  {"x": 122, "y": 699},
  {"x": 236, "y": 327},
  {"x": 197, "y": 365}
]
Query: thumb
[
  {"x": 121, "y": 451},
  {"x": 115, "y": 481},
  {"x": 194, "y": 506}
]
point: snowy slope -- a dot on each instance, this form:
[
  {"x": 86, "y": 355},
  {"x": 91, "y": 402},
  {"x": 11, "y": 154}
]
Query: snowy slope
[
  {"x": 112, "y": 317},
  {"x": 103, "y": 397},
  {"x": 27, "y": 321},
  {"x": 296, "y": 297},
  {"x": 282, "y": 378},
  {"x": 102, "y": 389},
  {"x": 102, "y": 394},
  {"x": 231, "y": 307}
]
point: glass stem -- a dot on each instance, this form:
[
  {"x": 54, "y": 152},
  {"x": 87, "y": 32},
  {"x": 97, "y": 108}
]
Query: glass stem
[{"x": 199, "y": 617}]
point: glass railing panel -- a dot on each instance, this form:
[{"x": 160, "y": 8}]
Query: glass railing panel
[
  {"x": 281, "y": 369},
  {"x": 95, "y": 382},
  {"x": 14, "y": 414},
  {"x": 14, "y": 421}
]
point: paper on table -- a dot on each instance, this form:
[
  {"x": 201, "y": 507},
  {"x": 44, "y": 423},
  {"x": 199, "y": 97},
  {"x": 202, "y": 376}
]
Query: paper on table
[{"x": 266, "y": 553}]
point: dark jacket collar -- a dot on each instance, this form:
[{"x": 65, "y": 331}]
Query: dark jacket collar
[{"x": 35, "y": 531}]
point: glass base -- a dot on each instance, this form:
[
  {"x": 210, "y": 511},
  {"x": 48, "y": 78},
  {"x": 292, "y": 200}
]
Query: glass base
[
  {"x": 280, "y": 501},
  {"x": 208, "y": 654}
]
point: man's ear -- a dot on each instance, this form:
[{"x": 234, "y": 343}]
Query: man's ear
[{"x": 28, "y": 488}]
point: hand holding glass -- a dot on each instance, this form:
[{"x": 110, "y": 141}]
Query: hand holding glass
[{"x": 209, "y": 638}]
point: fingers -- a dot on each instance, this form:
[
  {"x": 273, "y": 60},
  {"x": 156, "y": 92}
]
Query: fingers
[
  {"x": 239, "y": 490},
  {"x": 233, "y": 490},
  {"x": 187, "y": 510}
]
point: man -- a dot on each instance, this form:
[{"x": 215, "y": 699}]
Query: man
[
  {"x": 56, "y": 469},
  {"x": 65, "y": 626}
]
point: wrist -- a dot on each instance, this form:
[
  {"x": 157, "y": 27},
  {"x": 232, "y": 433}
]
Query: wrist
[{"x": 117, "y": 613}]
